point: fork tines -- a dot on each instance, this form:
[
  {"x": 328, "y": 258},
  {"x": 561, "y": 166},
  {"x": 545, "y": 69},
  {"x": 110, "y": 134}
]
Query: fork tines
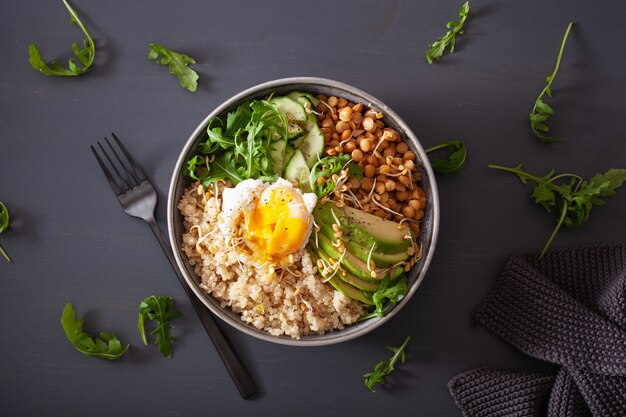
[{"x": 123, "y": 173}]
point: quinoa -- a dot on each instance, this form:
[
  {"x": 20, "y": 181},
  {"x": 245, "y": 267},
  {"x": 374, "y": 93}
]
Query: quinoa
[{"x": 293, "y": 301}]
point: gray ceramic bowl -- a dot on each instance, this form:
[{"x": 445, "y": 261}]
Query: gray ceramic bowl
[{"x": 429, "y": 225}]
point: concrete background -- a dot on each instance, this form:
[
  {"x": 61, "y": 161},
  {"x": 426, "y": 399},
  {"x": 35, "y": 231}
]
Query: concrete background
[{"x": 70, "y": 241}]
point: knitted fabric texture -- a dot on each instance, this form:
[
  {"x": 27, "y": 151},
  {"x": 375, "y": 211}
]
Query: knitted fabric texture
[{"x": 568, "y": 308}]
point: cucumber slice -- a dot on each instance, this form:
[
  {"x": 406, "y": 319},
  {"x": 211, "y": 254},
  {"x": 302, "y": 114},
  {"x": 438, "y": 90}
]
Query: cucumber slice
[
  {"x": 312, "y": 146},
  {"x": 296, "y": 95},
  {"x": 307, "y": 127},
  {"x": 289, "y": 150},
  {"x": 296, "y": 142},
  {"x": 290, "y": 109},
  {"x": 294, "y": 130},
  {"x": 308, "y": 107},
  {"x": 310, "y": 124},
  {"x": 302, "y": 100},
  {"x": 297, "y": 169},
  {"x": 277, "y": 153}
]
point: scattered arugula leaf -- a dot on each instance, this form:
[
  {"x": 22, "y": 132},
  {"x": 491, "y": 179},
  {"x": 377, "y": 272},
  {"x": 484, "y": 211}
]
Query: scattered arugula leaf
[
  {"x": 159, "y": 309},
  {"x": 85, "y": 55},
  {"x": 178, "y": 64},
  {"x": 392, "y": 291},
  {"x": 541, "y": 110},
  {"x": 456, "y": 160},
  {"x": 4, "y": 225},
  {"x": 246, "y": 138},
  {"x": 437, "y": 48},
  {"x": 384, "y": 368},
  {"x": 573, "y": 199},
  {"x": 320, "y": 178},
  {"x": 86, "y": 344}
]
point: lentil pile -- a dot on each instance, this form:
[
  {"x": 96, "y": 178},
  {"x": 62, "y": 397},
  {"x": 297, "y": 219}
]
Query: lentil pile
[{"x": 390, "y": 186}]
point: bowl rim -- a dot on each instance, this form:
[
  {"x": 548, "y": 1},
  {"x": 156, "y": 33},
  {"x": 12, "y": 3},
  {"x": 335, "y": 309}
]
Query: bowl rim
[{"x": 172, "y": 207}]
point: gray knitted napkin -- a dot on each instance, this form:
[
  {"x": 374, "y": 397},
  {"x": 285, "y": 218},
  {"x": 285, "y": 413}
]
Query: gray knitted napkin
[{"x": 569, "y": 309}]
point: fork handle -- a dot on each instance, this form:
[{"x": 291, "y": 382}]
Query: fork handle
[{"x": 238, "y": 372}]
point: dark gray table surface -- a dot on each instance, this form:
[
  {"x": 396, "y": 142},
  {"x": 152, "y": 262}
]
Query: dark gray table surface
[{"x": 70, "y": 241}]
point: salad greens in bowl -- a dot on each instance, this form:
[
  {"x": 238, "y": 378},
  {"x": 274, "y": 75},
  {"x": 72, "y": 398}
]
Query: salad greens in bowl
[{"x": 303, "y": 211}]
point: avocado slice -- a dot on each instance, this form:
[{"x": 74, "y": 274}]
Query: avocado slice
[
  {"x": 349, "y": 261},
  {"x": 361, "y": 252},
  {"x": 349, "y": 278},
  {"x": 349, "y": 290},
  {"x": 366, "y": 229}
]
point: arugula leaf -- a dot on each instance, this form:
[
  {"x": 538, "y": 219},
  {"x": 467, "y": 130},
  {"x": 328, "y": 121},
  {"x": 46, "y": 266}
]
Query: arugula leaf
[
  {"x": 605, "y": 184},
  {"x": 159, "y": 309},
  {"x": 541, "y": 110},
  {"x": 224, "y": 166},
  {"x": 456, "y": 160},
  {"x": 355, "y": 170},
  {"x": 385, "y": 292},
  {"x": 4, "y": 218},
  {"x": 573, "y": 199},
  {"x": 437, "y": 48},
  {"x": 266, "y": 123},
  {"x": 320, "y": 178},
  {"x": 217, "y": 138},
  {"x": 237, "y": 121},
  {"x": 86, "y": 344},
  {"x": 4, "y": 225},
  {"x": 247, "y": 137},
  {"x": 178, "y": 64},
  {"x": 384, "y": 368},
  {"x": 194, "y": 164},
  {"x": 85, "y": 55}
]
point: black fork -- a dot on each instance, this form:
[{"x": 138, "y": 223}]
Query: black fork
[{"x": 139, "y": 198}]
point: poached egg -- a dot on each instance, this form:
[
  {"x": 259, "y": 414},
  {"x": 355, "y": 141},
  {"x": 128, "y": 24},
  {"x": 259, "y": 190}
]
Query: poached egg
[{"x": 273, "y": 220}]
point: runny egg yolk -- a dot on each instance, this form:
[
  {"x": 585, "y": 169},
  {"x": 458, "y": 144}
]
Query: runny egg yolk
[{"x": 278, "y": 226}]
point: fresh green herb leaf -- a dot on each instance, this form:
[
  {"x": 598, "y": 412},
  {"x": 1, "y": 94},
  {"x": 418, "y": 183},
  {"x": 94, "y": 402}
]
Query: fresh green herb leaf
[
  {"x": 194, "y": 164},
  {"x": 4, "y": 225},
  {"x": 389, "y": 290},
  {"x": 384, "y": 368},
  {"x": 266, "y": 126},
  {"x": 573, "y": 198},
  {"x": 159, "y": 309},
  {"x": 456, "y": 160},
  {"x": 4, "y": 218},
  {"x": 320, "y": 178},
  {"x": 178, "y": 64},
  {"x": 237, "y": 121},
  {"x": 217, "y": 139},
  {"x": 85, "y": 55},
  {"x": 355, "y": 170},
  {"x": 604, "y": 185},
  {"x": 224, "y": 167},
  {"x": 541, "y": 110},
  {"x": 436, "y": 49},
  {"x": 86, "y": 344},
  {"x": 246, "y": 138}
]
